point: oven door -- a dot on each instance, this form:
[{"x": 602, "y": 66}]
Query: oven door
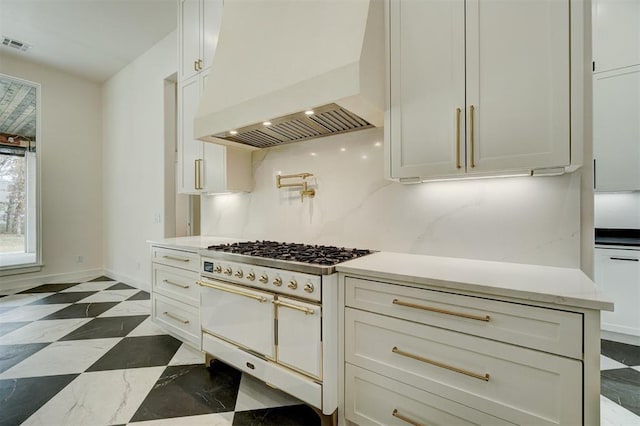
[
  {"x": 299, "y": 335},
  {"x": 239, "y": 315}
]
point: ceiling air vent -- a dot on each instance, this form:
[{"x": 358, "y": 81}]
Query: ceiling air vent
[
  {"x": 323, "y": 121},
  {"x": 23, "y": 47}
]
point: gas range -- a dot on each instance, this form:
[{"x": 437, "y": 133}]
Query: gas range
[{"x": 306, "y": 258}]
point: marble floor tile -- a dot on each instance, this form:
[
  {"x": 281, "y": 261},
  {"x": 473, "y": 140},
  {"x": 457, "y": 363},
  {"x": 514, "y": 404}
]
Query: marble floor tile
[
  {"x": 43, "y": 331},
  {"x": 294, "y": 415},
  {"x": 55, "y": 359},
  {"x": 136, "y": 352},
  {"x": 100, "y": 328},
  {"x": 612, "y": 414},
  {"x": 98, "y": 398},
  {"x": 49, "y": 288},
  {"x": 141, "y": 295},
  {"x": 621, "y": 386},
  {"x": 91, "y": 286},
  {"x": 254, "y": 394},
  {"x": 22, "y": 299},
  {"x": 101, "y": 278},
  {"x": 110, "y": 296},
  {"x": 82, "y": 310},
  {"x": 621, "y": 352},
  {"x": 607, "y": 363},
  {"x": 6, "y": 309},
  {"x": 31, "y": 312},
  {"x": 217, "y": 419},
  {"x": 57, "y": 298},
  {"x": 20, "y": 398},
  {"x": 121, "y": 286},
  {"x": 133, "y": 307},
  {"x": 11, "y": 355},
  {"x": 147, "y": 328},
  {"x": 193, "y": 390},
  {"x": 8, "y": 327},
  {"x": 187, "y": 355}
]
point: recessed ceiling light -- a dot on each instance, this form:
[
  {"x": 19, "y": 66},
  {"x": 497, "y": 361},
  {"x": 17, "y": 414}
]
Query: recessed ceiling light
[
  {"x": 313, "y": 154},
  {"x": 377, "y": 144},
  {"x": 266, "y": 123},
  {"x": 233, "y": 132},
  {"x": 343, "y": 149},
  {"x": 309, "y": 112}
]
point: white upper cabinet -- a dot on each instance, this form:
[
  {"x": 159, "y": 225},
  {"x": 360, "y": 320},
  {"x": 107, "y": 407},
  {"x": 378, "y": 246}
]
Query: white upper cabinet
[
  {"x": 478, "y": 87},
  {"x": 198, "y": 28},
  {"x": 616, "y": 129},
  {"x": 616, "y": 34}
]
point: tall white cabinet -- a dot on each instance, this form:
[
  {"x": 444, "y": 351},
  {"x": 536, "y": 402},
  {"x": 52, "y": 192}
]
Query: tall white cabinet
[
  {"x": 478, "y": 87},
  {"x": 202, "y": 167}
]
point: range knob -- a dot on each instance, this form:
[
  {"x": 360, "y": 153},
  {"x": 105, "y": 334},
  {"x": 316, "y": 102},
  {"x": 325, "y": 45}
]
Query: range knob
[
  {"x": 293, "y": 284},
  {"x": 277, "y": 282},
  {"x": 264, "y": 278},
  {"x": 218, "y": 269},
  {"x": 251, "y": 276},
  {"x": 238, "y": 273},
  {"x": 227, "y": 271},
  {"x": 308, "y": 287}
]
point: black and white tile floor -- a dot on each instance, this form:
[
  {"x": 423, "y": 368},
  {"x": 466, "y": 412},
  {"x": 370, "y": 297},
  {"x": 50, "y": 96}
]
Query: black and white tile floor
[{"x": 88, "y": 354}]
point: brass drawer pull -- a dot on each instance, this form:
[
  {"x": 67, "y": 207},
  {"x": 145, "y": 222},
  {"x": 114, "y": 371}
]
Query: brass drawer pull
[
  {"x": 484, "y": 377},
  {"x": 307, "y": 311},
  {"x": 405, "y": 419},
  {"x": 175, "y": 284},
  {"x": 458, "y": 111},
  {"x": 485, "y": 318},
  {"x": 177, "y": 259},
  {"x": 175, "y": 317},
  {"x": 260, "y": 299}
]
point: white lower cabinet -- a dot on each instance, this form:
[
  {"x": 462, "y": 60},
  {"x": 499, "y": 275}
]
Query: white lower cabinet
[
  {"x": 175, "y": 293},
  {"x": 421, "y": 356}
]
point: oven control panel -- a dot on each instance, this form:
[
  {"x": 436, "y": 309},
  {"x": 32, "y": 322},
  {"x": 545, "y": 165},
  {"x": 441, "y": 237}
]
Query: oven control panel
[{"x": 299, "y": 284}]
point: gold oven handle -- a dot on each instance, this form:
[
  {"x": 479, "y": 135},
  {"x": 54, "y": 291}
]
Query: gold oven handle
[
  {"x": 307, "y": 311},
  {"x": 485, "y": 318},
  {"x": 404, "y": 418},
  {"x": 260, "y": 299},
  {"x": 483, "y": 377}
]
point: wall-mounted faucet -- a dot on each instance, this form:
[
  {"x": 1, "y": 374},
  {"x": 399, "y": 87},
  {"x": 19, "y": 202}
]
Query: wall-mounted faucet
[{"x": 305, "y": 191}]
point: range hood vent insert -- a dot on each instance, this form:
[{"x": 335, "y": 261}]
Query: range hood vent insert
[{"x": 327, "y": 120}]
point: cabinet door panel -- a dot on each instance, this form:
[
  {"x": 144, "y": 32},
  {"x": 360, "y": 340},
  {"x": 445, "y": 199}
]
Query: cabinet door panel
[
  {"x": 189, "y": 37},
  {"x": 616, "y": 34},
  {"x": 518, "y": 82},
  {"x": 616, "y": 129},
  {"x": 427, "y": 85},
  {"x": 211, "y": 19},
  {"x": 189, "y": 149}
]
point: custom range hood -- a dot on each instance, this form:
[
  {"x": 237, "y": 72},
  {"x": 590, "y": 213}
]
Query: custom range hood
[{"x": 291, "y": 70}]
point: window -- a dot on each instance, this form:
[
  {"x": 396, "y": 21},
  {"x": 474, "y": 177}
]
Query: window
[{"x": 19, "y": 200}]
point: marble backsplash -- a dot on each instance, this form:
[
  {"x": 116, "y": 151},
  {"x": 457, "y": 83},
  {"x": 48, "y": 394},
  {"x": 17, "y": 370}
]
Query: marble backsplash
[{"x": 523, "y": 220}]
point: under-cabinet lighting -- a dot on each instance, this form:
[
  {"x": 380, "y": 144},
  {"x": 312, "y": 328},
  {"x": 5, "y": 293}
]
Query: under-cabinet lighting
[
  {"x": 233, "y": 132},
  {"x": 309, "y": 112},
  {"x": 266, "y": 123}
]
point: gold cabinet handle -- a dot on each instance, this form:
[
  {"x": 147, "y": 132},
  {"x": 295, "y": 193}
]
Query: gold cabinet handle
[
  {"x": 175, "y": 284},
  {"x": 405, "y": 419},
  {"x": 195, "y": 65},
  {"x": 200, "y": 64},
  {"x": 178, "y": 259},
  {"x": 472, "y": 110},
  {"x": 260, "y": 299},
  {"x": 485, "y": 318},
  {"x": 198, "y": 173},
  {"x": 458, "y": 112},
  {"x": 307, "y": 311},
  {"x": 484, "y": 377},
  {"x": 175, "y": 317}
]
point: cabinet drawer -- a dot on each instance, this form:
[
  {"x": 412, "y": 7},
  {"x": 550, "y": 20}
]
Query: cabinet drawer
[
  {"x": 549, "y": 330},
  {"x": 373, "y": 399},
  {"x": 177, "y": 258},
  {"x": 176, "y": 283},
  {"x": 179, "y": 319},
  {"x": 474, "y": 371}
]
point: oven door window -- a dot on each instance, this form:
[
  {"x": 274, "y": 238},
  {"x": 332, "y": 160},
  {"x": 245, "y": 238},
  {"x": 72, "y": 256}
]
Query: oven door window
[
  {"x": 239, "y": 315},
  {"x": 299, "y": 335}
]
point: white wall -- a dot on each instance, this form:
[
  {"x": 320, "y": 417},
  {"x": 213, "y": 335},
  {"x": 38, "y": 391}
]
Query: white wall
[
  {"x": 617, "y": 210},
  {"x": 133, "y": 157},
  {"x": 525, "y": 220},
  {"x": 70, "y": 154}
]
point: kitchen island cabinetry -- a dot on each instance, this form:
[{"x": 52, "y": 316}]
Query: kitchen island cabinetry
[
  {"x": 429, "y": 340},
  {"x": 464, "y": 100}
]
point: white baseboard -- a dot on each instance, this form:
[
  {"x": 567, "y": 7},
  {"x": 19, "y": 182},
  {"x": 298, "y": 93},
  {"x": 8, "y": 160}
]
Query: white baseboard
[
  {"x": 24, "y": 282},
  {"x": 128, "y": 280}
]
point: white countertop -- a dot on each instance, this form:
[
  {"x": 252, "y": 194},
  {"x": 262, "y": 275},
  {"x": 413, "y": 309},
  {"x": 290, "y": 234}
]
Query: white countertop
[
  {"x": 561, "y": 286},
  {"x": 196, "y": 243}
]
